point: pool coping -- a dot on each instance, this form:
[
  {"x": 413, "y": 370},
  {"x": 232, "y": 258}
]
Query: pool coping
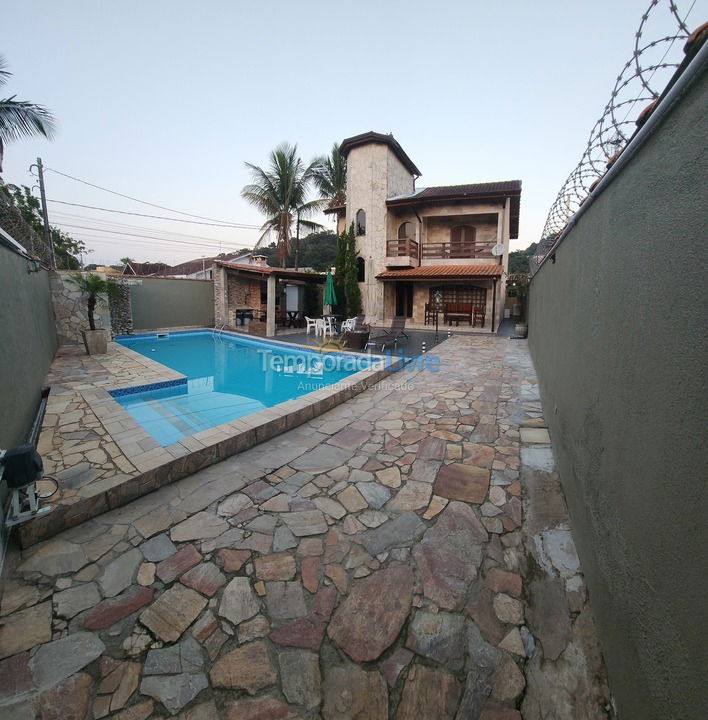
[{"x": 157, "y": 466}]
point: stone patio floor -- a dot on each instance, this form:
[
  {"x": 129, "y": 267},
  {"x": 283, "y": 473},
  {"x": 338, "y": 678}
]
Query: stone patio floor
[{"x": 406, "y": 555}]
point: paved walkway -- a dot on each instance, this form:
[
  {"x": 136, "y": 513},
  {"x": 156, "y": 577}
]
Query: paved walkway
[{"x": 372, "y": 563}]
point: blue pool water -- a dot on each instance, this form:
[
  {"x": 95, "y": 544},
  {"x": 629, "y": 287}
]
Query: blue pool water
[{"x": 227, "y": 377}]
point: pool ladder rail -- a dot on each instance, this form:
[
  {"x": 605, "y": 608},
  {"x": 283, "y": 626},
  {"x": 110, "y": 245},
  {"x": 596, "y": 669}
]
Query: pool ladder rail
[{"x": 217, "y": 331}]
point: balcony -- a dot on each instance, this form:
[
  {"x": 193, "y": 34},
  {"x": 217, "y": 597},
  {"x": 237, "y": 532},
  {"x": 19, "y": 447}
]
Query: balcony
[
  {"x": 456, "y": 250},
  {"x": 402, "y": 252}
]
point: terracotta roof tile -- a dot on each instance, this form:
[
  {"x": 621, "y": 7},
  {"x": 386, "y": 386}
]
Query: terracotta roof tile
[
  {"x": 442, "y": 271},
  {"x": 279, "y": 272}
]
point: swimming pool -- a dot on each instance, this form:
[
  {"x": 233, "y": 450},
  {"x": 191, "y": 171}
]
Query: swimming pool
[{"x": 227, "y": 377}]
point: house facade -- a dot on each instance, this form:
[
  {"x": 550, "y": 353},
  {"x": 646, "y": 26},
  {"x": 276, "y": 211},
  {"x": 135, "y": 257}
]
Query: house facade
[{"x": 420, "y": 248}]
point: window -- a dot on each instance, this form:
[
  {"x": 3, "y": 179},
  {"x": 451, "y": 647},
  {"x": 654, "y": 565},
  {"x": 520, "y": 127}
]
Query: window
[
  {"x": 360, "y": 269},
  {"x": 406, "y": 230},
  {"x": 462, "y": 241},
  {"x": 462, "y": 294},
  {"x": 360, "y": 222}
]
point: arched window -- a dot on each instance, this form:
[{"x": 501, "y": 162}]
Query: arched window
[
  {"x": 406, "y": 230},
  {"x": 360, "y": 222},
  {"x": 462, "y": 240},
  {"x": 360, "y": 270}
]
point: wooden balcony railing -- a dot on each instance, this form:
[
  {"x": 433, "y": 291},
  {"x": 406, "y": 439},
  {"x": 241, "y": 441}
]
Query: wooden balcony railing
[
  {"x": 456, "y": 250},
  {"x": 402, "y": 247}
]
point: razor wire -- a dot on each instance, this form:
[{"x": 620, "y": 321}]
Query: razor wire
[
  {"x": 12, "y": 222},
  {"x": 640, "y": 82}
]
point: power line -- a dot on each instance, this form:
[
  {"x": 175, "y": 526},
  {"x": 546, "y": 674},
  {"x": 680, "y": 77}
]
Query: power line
[
  {"x": 69, "y": 217},
  {"x": 134, "y": 199},
  {"x": 104, "y": 244},
  {"x": 158, "y": 217},
  {"x": 145, "y": 237},
  {"x": 163, "y": 243}
]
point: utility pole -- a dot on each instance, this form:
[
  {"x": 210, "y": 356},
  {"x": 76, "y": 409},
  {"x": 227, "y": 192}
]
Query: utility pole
[
  {"x": 45, "y": 215},
  {"x": 297, "y": 240}
]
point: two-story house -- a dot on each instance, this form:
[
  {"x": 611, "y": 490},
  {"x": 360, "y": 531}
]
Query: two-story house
[{"x": 418, "y": 246}]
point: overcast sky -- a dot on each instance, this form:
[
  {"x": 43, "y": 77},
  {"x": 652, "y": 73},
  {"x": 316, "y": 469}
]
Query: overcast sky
[{"x": 165, "y": 100}]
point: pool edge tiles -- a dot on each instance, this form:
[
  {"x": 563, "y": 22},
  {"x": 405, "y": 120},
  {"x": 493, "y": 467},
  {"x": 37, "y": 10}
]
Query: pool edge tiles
[
  {"x": 158, "y": 466},
  {"x": 134, "y": 389}
]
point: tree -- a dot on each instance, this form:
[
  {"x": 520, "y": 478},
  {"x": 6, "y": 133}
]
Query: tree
[
  {"x": 351, "y": 275},
  {"x": 94, "y": 286},
  {"x": 519, "y": 259},
  {"x": 19, "y": 118},
  {"x": 280, "y": 193},
  {"x": 340, "y": 266},
  {"x": 124, "y": 261},
  {"x": 66, "y": 249},
  {"x": 330, "y": 176},
  {"x": 518, "y": 287}
]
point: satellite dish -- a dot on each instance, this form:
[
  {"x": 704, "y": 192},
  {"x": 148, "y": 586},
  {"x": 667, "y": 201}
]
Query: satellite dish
[{"x": 498, "y": 250}]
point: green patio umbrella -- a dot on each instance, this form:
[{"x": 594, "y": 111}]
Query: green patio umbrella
[{"x": 330, "y": 296}]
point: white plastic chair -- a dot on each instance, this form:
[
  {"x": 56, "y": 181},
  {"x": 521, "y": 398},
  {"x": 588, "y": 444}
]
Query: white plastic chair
[
  {"x": 319, "y": 327},
  {"x": 328, "y": 326},
  {"x": 311, "y": 325},
  {"x": 348, "y": 324}
]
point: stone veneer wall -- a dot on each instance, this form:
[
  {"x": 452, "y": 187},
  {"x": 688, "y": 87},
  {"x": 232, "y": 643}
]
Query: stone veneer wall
[
  {"x": 374, "y": 173},
  {"x": 245, "y": 292},
  {"x": 121, "y": 309},
  {"x": 70, "y": 310}
]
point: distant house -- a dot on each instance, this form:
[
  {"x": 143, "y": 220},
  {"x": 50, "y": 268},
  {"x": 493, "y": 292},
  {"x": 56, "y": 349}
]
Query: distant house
[
  {"x": 146, "y": 269},
  {"x": 422, "y": 246},
  {"x": 199, "y": 269}
]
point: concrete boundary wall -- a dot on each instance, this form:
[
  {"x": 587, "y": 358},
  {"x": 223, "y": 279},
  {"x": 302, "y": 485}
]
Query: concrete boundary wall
[
  {"x": 171, "y": 302},
  {"x": 27, "y": 342},
  {"x": 617, "y": 334}
]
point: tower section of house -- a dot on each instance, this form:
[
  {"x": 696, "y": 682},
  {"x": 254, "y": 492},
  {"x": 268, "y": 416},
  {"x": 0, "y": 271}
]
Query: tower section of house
[
  {"x": 377, "y": 169},
  {"x": 444, "y": 247}
]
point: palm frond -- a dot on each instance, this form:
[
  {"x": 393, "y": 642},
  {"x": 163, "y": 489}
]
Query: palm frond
[
  {"x": 279, "y": 191},
  {"x": 5, "y": 75},
  {"x": 312, "y": 226},
  {"x": 329, "y": 174},
  {"x": 24, "y": 119}
]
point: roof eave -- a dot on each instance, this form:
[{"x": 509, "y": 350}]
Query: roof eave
[{"x": 380, "y": 139}]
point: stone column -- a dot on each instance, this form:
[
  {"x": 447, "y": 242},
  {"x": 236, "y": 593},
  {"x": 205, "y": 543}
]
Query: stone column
[
  {"x": 221, "y": 293},
  {"x": 270, "y": 306}
]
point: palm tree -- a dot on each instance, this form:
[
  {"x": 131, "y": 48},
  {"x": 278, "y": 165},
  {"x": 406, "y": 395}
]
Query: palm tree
[
  {"x": 280, "y": 193},
  {"x": 124, "y": 261},
  {"x": 330, "y": 176},
  {"x": 19, "y": 118},
  {"x": 93, "y": 286}
]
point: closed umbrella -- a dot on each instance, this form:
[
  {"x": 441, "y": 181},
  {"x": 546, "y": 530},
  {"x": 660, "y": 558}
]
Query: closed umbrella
[{"x": 330, "y": 296}]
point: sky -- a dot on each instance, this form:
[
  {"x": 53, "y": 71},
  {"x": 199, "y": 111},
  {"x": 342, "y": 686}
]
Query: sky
[{"x": 165, "y": 100}]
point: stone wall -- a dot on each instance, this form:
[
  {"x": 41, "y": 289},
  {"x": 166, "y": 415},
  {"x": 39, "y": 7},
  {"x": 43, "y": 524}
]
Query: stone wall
[
  {"x": 121, "y": 310},
  {"x": 70, "y": 309},
  {"x": 374, "y": 173},
  {"x": 231, "y": 291}
]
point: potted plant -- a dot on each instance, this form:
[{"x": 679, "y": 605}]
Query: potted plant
[
  {"x": 519, "y": 283},
  {"x": 93, "y": 286}
]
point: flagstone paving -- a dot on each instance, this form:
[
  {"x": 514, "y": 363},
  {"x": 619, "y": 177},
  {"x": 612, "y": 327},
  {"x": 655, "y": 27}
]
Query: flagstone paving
[{"x": 406, "y": 555}]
